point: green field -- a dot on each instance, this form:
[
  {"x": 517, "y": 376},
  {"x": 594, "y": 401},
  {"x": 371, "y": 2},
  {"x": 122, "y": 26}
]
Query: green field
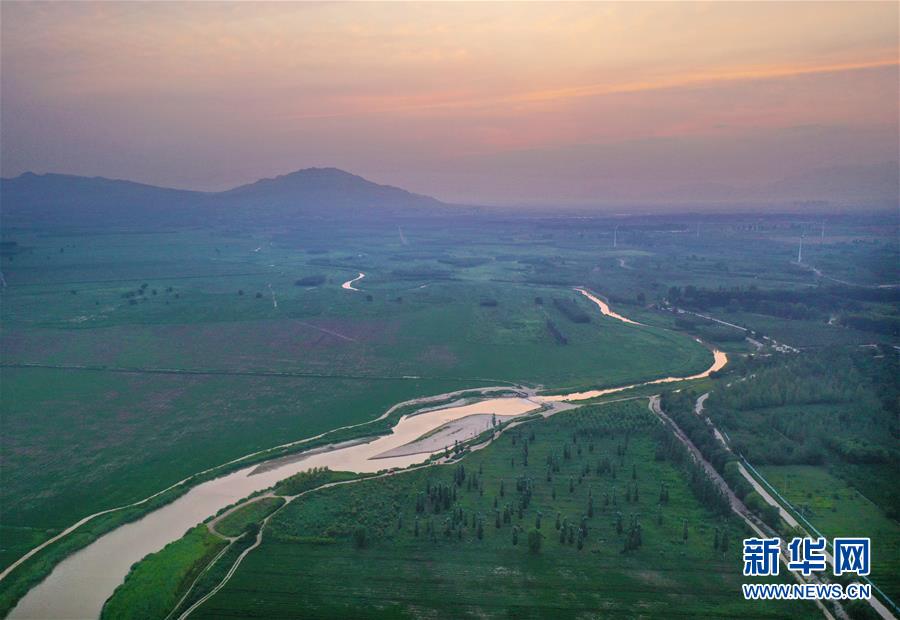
[
  {"x": 235, "y": 523},
  {"x": 836, "y": 508}
]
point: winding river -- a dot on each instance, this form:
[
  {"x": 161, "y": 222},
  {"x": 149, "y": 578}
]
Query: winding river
[
  {"x": 79, "y": 585},
  {"x": 348, "y": 285}
]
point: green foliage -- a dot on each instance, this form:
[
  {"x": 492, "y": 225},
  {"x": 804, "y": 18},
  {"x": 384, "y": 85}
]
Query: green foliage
[
  {"x": 154, "y": 585},
  {"x": 454, "y": 539},
  {"x": 238, "y": 521},
  {"x": 310, "y": 479},
  {"x": 831, "y": 405}
]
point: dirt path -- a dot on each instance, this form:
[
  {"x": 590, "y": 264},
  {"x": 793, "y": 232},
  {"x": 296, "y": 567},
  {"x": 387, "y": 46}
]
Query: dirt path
[{"x": 328, "y": 331}]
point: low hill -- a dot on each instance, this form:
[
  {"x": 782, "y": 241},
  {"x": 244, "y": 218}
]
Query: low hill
[{"x": 63, "y": 200}]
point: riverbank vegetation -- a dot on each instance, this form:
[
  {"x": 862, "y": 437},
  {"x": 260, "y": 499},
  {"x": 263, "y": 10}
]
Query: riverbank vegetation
[
  {"x": 238, "y": 521},
  {"x": 150, "y": 588},
  {"x": 592, "y": 509}
]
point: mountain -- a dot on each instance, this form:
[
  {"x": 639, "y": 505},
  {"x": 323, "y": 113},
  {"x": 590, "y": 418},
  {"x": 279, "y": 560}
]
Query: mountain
[
  {"x": 55, "y": 199},
  {"x": 324, "y": 191},
  {"x": 58, "y": 199}
]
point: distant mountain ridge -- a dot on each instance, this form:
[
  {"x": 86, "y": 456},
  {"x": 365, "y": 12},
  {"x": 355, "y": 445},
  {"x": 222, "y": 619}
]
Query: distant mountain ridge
[
  {"x": 330, "y": 186},
  {"x": 312, "y": 192}
]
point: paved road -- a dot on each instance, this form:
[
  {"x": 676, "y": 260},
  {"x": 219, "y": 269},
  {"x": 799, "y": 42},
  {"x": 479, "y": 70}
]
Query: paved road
[{"x": 788, "y": 518}]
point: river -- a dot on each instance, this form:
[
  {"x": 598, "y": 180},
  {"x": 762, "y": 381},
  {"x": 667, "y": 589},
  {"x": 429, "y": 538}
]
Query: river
[
  {"x": 348, "y": 285},
  {"x": 79, "y": 585}
]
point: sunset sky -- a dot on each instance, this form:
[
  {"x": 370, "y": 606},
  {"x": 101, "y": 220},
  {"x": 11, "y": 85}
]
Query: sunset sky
[{"x": 472, "y": 102}]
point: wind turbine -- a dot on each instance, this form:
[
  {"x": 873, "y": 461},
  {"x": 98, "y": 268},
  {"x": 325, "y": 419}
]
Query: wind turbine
[
  {"x": 615, "y": 237},
  {"x": 800, "y": 251}
]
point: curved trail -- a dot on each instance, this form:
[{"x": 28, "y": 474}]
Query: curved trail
[
  {"x": 348, "y": 285},
  {"x": 79, "y": 585}
]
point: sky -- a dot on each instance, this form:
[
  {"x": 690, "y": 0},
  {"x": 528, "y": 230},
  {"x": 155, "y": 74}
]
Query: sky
[{"x": 486, "y": 103}]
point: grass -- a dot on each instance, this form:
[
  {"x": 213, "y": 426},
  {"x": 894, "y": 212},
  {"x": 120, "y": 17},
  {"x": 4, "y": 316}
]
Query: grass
[
  {"x": 166, "y": 427},
  {"x": 311, "y": 563},
  {"x": 235, "y": 523},
  {"x": 837, "y": 509}
]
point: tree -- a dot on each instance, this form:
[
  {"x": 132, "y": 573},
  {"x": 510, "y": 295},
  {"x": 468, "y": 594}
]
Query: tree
[
  {"x": 359, "y": 537},
  {"x": 534, "y": 541},
  {"x": 684, "y": 531}
]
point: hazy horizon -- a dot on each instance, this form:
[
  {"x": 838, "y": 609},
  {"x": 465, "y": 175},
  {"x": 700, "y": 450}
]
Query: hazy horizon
[{"x": 491, "y": 104}]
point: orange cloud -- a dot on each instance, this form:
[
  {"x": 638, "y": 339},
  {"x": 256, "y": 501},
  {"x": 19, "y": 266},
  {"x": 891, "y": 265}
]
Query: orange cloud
[{"x": 374, "y": 105}]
